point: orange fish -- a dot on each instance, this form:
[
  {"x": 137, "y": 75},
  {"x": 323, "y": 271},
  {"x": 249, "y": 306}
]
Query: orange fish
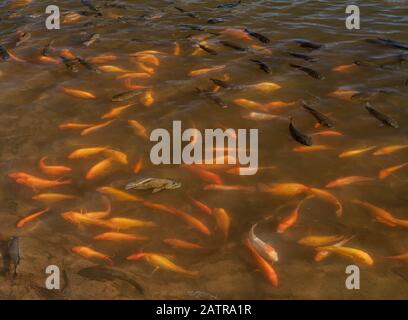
[
  {"x": 22, "y": 222},
  {"x": 278, "y": 104},
  {"x": 118, "y": 194},
  {"x": 102, "y": 59},
  {"x": 205, "y": 175},
  {"x": 146, "y": 69},
  {"x": 311, "y": 148},
  {"x": 66, "y": 53},
  {"x": 328, "y": 197},
  {"x": 100, "y": 169},
  {"x": 116, "y": 112},
  {"x": 343, "y": 94},
  {"x": 35, "y": 182},
  {"x": 403, "y": 256},
  {"x": 79, "y": 93},
  {"x": 352, "y": 153},
  {"x": 284, "y": 189},
  {"x": 90, "y": 253},
  {"x": 344, "y": 181},
  {"x": 223, "y": 221},
  {"x": 218, "y": 187},
  {"x": 200, "y": 72},
  {"x": 129, "y": 85},
  {"x": 266, "y": 268},
  {"x": 327, "y": 133},
  {"x": 134, "y": 75},
  {"x": 120, "y": 223},
  {"x": 76, "y": 125},
  {"x": 97, "y": 127},
  {"x": 116, "y": 155},
  {"x": 177, "y": 243},
  {"x": 149, "y": 58},
  {"x": 177, "y": 49},
  {"x": 321, "y": 255},
  {"x": 71, "y": 17},
  {"x": 138, "y": 166},
  {"x": 147, "y": 99},
  {"x": 86, "y": 152},
  {"x": 390, "y": 149},
  {"x": 53, "y": 170},
  {"x": 291, "y": 219},
  {"x": 160, "y": 261},
  {"x": 265, "y": 86},
  {"x": 236, "y": 33},
  {"x": 112, "y": 69},
  {"x": 249, "y": 104},
  {"x": 119, "y": 236},
  {"x": 380, "y": 214},
  {"x": 200, "y": 205},
  {"x": 82, "y": 219},
  {"x": 384, "y": 173},
  {"x": 344, "y": 67},
  {"x": 14, "y": 57},
  {"x": 138, "y": 128},
  {"x": 46, "y": 59},
  {"x": 53, "y": 197}
]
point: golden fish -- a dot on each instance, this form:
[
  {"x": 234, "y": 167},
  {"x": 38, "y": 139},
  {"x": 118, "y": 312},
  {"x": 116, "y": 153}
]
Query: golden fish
[
  {"x": 311, "y": 148},
  {"x": 128, "y": 223},
  {"x": 384, "y": 173},
  {"x": 102, "y": 59},
  {"x": 177, "y": 243},
  {"x": 223, "y": 220},
  {"x": 147, "y": 99},
  {"x": 118, "y": 194},
  {"x": 76, "y": 125},
  {"x": 344, "y": 181},
  {"x": 53, "y": 197},
  {"x": 351, "y": 253},
  {"x": 134, "y": 75},
  {"x": 353, "y": 153},
  {"x": 79, "y": 93},
  {"x": 200, "y": 72},
  {"x": 94, "y": 128},
  {"x": 112, "y": 69},
  {"x": 390, "y": 149},
  {"x": 328, "y": 197},
  {"x": 53, "y": 170},
  {"x": 284, "y": 189},
  {"x": 100, "y": 169},
  {"x": 380, "y": 214},
  {"x": 90, "y": 253},
  {"x": 138, "y": 128},
  {"x": 319, "y": 241},
  {"x": 86, "y": 152},
  {"x": 265, "y": 86},
  {"x": 118, "y": 156},
  {"x": 81, "y": 219},
  {"x": 116, "y": 112},
  {"x": 23, "y": 221},
  {"x": 118, "y": 236},
  {"x": 344, "y": 67}
]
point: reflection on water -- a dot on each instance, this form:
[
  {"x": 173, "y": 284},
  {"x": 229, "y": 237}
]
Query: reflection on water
[{"x": 262, "y": 86}]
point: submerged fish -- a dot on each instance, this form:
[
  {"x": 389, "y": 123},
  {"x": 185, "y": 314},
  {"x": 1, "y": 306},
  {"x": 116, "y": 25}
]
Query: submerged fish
[
  {"x": 14, "y": 252},
  {"x": 101, "y": 274},
  {"x": 344, "y": 181},
  {"x": 299, "y": 136},
  {"x": 351, "y": 253},
  {"x": 90, "y": 253},
  {"x": 309, "y": 71},
  {"x": 223, "y": 220},
  {"x": 302, "y": 56},
  {"x": 308, "y": 44},
  {"x": 23, "y": 221},
  {"x": 381, "y": 116},
  {"x": 262, "y": 65},
  {"x": 153, "y": 183},
  {"x": 123, "y": 96},
  {"x": 258, "y": 36},
  {"x": 92, "y": 39},
  {"x": 265, "y": 249},
  {"x": 229, "y": 5},
  {"x": 384, "y": 173},
  {"x": 320, "y": 117},
  {"x": 4, "y": 55}
]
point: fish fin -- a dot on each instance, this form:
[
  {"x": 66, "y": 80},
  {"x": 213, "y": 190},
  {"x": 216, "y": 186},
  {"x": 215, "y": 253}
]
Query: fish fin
[
  {"x": 155, "y": 190},
  {"x": 154, "y": 271}
]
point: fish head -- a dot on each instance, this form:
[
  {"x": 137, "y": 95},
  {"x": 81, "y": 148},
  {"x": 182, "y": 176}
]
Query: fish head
[
  {"x": 271, "y": 252},
  {"x": 173, "y": 185}
]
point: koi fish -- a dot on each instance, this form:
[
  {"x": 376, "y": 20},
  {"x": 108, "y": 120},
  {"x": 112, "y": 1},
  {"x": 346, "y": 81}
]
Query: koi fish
[
  {"x": 327, "y": 133},
  {"x": 319, "y": 241},
  {"x": 86, "y": 152},
  {"x": 138, "y": 166},
  {"x": 265, "y": 86},
  {"x": 218, "y": 187},
  {"x": 403, "y": 256},
  {"x": 118, "y": 236},
  {"x": 160, "y": 261},
  {"x": 100, "y": 214},
  {"x": 119, "y": 223},
  {"x": 177, "y": 243},
  {"x": 344, "y": 181},
  {"x": 249, "y": 104},
  {"x": 147, "y": 99},
  {"x": 380, "y": 214},
  {"x": 78, "y": 93},
  {"x": 53, "y": 170},
  {"x": 305, "y": 149},
  {"x": 266, "y": 268},
  {"x": 321, "y": 255},
  {"x": 353, "y": 153},
  {"x": 100, "y": 169},
  {"x": 328, "y": 197},
  {"x": 200, "y": 205},
  {"x": 138, "y": 129},
  {"x": 116, "y": 155},
  {"x": 23, "y": 221},
  {"x": 53, "y": 197},
  {"x": 35, "y": 182},
  {"x": 223, "y": 221},
  {"x": 90, "y": 253},
  {"x": 76, "y": 125},
  {"x": 284, "y": 189},
  {"x": 265, "y": 249},
  {"x": 97, "y": 127},
  {"x": 116, "y": 112},
  {"x": 389, "y": 149},
  {"x": 81, "y": 219},
  {"x": 384, "y": 173},
  {"x": 200, "y": 72},
  {"x": 351, "y": 253},
  {"x": 118, "y": 194},
  {"x": 288, "y": 221}
]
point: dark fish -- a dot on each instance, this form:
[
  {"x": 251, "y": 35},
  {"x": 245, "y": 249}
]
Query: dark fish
[
  {"x": 14, "y": 252},
  {"x": 190, "y": 14},
  {"x": 262, "y": 65},
  {"x": 381, "y": 116},
  {"x": 406, "y": 82},
  {"x": 192, "y": 27},
  {"x": 4, "y": 55},
  {"x": 220, "y": 83},
  {"x": 389, "y": 43},
  {"x": 71, "y": 64},
  {"x": 92, "y": 39},
  {"x": 102, "y": 273},
  {"x": 258, "y": 36},
  {"x": 299, "y": 136},
  {"x": 210, "y": 95},
  {"x": 382, "y": 62},
  {"x": 207, "y": 49},
  {"x": 88, "y": 65},
  {"x": 123, "y": 96},
  {"x": 5, "y": 255},
  {"x": 231, "y": 45},
  {"x": 302, "y": 56},
  {"x": 228, "y": 5},
  {"x": 309, "y": 71},
  {"x": 308, "y": 44},
  {"x": 48, "y": 49},
  {"x": 320, "y": 117},
  {"x": 215, "y": 20}
]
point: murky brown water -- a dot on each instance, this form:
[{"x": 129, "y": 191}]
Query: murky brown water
[{"x": 33, "y": 105}]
